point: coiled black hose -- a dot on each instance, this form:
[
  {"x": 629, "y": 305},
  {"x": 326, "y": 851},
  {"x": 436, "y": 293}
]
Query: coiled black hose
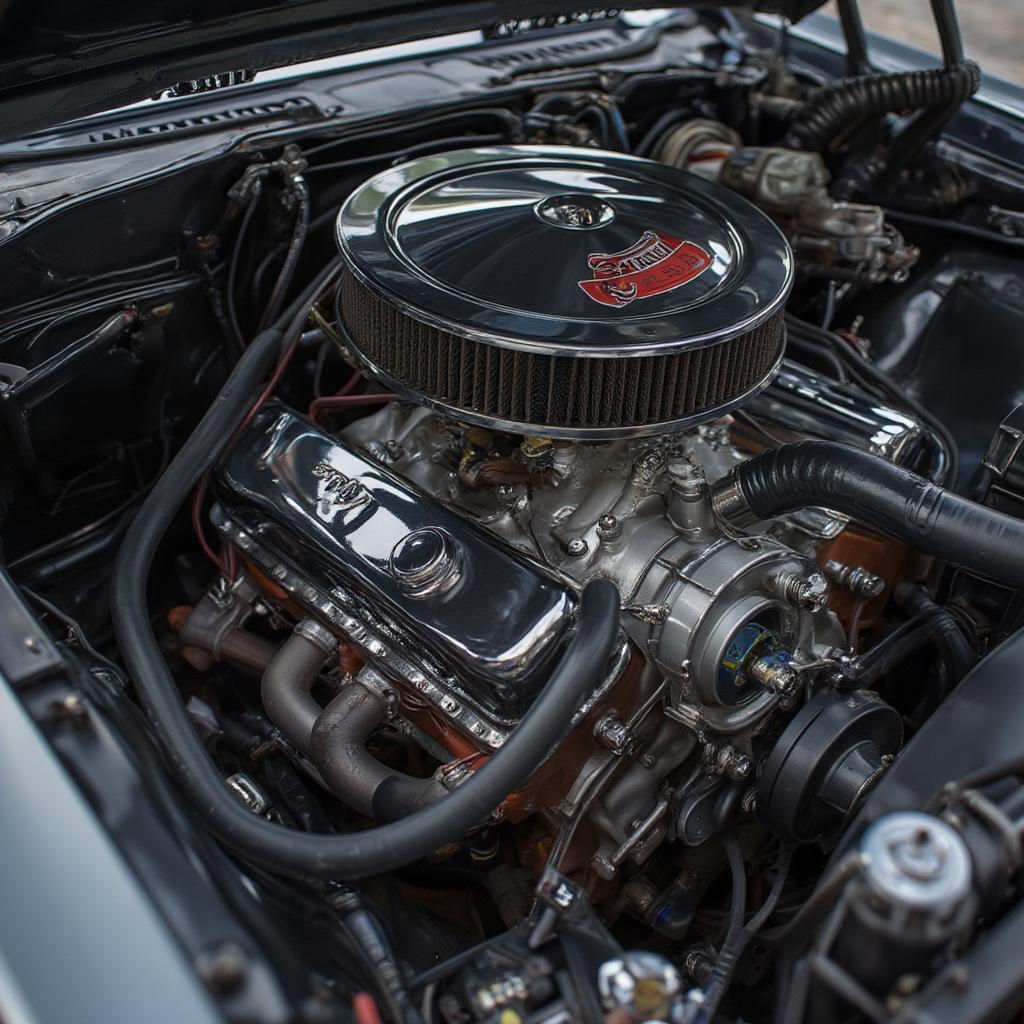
[
  {"x": 872, "y": 490},
  {"x": 832, "y": 108},
  {"x": 281, "y": 849}
]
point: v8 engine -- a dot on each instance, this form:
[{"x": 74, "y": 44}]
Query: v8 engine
[
  {"x": 564, "y": 333},
  {"x": 525, "y": 531}
]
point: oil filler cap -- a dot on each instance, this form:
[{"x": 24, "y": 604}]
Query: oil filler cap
[{"x": 426, "y": 562}]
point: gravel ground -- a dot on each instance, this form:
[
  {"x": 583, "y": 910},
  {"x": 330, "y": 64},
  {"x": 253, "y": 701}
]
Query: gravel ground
[{"x": 993, "y": 30}]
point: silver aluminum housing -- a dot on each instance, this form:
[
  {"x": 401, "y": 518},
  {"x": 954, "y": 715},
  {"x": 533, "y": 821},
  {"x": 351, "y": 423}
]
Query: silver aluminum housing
[{"x": 685, "y": 592}]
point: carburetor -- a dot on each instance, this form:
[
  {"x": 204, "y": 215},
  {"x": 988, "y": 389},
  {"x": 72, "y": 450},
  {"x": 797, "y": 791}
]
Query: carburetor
[{"x": 727, "y": 620}]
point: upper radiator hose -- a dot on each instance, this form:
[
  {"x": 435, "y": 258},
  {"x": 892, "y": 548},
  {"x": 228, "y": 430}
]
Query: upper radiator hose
[
  {"x": 833, "y": 107},
  {"x": 868, "y": 488}
]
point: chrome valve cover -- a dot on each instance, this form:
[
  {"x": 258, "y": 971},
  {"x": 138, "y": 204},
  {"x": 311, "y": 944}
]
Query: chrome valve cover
[{"x": 481, "y": 621}]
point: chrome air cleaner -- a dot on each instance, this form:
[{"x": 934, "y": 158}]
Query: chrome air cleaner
[{"x": 563, "y": 292}]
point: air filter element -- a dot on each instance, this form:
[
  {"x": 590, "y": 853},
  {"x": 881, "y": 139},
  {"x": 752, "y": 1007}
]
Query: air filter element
[{"x": 562, "y": 292}]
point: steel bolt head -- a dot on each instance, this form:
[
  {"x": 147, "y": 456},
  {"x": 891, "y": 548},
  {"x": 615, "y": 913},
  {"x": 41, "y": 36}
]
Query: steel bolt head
[
  {"x": 608, "y": 528},
  {"x": 577, "y": 547},
  {"x": 814, "y": 593}
]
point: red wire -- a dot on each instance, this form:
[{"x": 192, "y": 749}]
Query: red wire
[
  {"x": 351, "y": 384},
  {"x": 341, "y": 401},
  {"x": 294, "y": 335},
  {"x": 364, "y": 1006}
]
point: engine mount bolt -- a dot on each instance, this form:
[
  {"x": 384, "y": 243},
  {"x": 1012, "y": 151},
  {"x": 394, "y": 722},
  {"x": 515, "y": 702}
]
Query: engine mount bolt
[
  {"x": 608, "y": 529},
  {"x": 698, "y": 965},
  {"x": 577, "y": 547},
  {"x": 223, "y": 969}
]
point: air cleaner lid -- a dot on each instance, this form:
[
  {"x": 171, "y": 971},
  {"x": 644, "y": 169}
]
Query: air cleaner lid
[{"x": 565, "y": 250}]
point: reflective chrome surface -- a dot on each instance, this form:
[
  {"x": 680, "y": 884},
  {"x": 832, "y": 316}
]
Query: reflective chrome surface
[
  {"x": 456, "y": 240},
  {"x": 808, "y": 405},
  {"x": 316, "y": 503}
]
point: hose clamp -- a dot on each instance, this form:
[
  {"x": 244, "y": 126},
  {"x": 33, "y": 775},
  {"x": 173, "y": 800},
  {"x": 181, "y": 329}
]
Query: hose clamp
[{"x": 729, "y": 504}]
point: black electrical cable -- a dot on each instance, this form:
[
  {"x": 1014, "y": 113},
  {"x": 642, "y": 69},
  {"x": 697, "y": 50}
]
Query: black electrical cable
[
  {"x": 829, "y": 312},
  {"x": 954, "y": 655},
  {"x": 236, "y": 255},
  {"x": 85, "y": 285},
  {"x": 876, "y": 492},
  {"x": 600, "y": 117},
  {"x": 582, "y": 665},
  {"x": 315, "y": 224},
  {"x": 653, "y": 134},
  {"x": 135, "y": 294},
  {"x": 955, "y": 227},
  {"x": 454, "y": 142},
  {"x": 927, "y": 627},
  {"x": 300, "y": 193},
  {"x": 737, "y": 911},
  {"x": 796, "y": 345},
  {"x": 737, "y": 941}
]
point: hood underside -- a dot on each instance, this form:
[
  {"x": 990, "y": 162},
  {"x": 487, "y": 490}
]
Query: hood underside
[{"x": 64, "y": 60}]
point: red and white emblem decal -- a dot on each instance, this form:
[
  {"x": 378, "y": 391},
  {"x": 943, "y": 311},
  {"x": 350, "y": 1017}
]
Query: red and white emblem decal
[{"x": 656, "y": 263}]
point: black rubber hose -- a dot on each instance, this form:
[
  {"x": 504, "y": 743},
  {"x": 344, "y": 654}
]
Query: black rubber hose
[
  {"x": 923, "y": 630},
  {"x": 338, "y": 748},
  {"x": 832, "y": 109},
  {"x": 377, "y": 850},
  {"x": 951, "y": 633},
  {"x": 954, "y": 655},
  {"x": 236, "y": 256},
  {"x": 870, "y": 489}
]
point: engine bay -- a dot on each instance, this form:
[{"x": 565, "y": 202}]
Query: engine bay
[{"x": 542, "y": 538}]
